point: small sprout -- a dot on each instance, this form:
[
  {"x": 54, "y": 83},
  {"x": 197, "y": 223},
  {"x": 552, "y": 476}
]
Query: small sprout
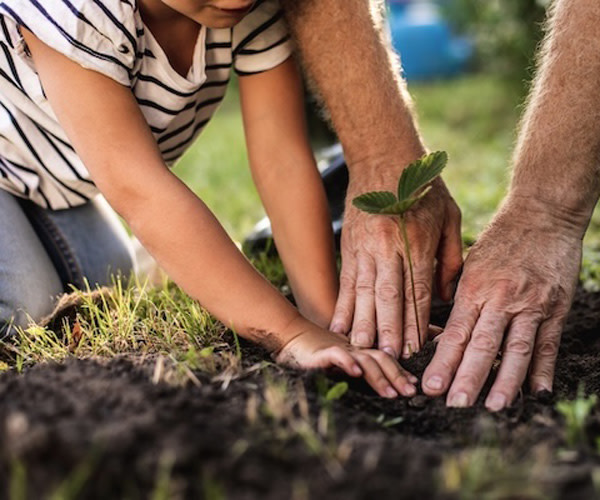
[
  {"x": 576, "y": 413},
  {"x": 414, "y": 178},
  {"x": 337, "y": 391},
  {"x": 388, "y": 422}
]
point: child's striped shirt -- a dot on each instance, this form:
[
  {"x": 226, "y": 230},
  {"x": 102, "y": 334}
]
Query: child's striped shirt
[{"x": 36, "y": 159}]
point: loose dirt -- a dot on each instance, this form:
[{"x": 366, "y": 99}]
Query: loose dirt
[{"x": 90, "y": 429}]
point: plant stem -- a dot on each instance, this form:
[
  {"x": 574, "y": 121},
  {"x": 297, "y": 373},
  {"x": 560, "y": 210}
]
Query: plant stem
[{"x": 412, "y": 277}]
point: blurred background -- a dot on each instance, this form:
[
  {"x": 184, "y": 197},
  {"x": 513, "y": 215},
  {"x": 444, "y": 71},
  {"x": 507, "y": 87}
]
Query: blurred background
[{"x": 468, "y": 63}]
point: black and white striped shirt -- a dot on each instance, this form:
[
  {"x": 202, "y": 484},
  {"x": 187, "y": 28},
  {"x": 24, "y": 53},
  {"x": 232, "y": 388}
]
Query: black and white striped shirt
[{"x": 36, "y": 159}]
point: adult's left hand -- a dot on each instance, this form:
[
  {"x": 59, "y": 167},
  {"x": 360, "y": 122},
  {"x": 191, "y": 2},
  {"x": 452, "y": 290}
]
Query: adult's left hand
[{"x": 375, "y": 299}]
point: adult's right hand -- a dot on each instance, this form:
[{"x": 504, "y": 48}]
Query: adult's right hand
[{"x": 513, "y": 297}]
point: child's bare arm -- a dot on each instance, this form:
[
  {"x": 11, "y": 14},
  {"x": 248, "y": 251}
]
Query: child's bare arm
[
  {"x": 107, "y": 129},
  {"x": 290, "y": 186}
]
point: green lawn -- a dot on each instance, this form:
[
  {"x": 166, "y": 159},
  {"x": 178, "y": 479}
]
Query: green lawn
[{"x": 473, "y": 118}]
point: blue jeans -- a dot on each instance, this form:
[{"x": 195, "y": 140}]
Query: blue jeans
[{"x": 43, "y": 252}]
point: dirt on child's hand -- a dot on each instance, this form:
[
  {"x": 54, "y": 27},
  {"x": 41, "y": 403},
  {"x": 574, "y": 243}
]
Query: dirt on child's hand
[{"x": 321, "y": 349}]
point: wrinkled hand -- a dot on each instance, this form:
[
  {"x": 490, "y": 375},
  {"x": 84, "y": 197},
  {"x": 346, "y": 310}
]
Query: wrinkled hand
[
  {"x": 375, "y": 298},
  {"x": 317, "y": 348},
  {"x": 513, "y": 297}
]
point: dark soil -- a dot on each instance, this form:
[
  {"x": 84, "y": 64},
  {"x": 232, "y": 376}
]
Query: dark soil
[{"x": 104, "y": 430}]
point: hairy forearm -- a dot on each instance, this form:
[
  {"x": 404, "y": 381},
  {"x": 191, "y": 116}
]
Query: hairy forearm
[
  {"x": 557, "y": 158},
  {"x": 189, "y": 243},
  {"x": 346, "y": 55}
]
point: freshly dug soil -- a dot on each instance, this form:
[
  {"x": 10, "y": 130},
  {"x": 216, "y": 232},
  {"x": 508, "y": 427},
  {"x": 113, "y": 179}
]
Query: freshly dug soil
[{"x": 104, "y": 430}]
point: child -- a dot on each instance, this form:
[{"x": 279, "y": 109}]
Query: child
[{"x": 119, "y": 89}]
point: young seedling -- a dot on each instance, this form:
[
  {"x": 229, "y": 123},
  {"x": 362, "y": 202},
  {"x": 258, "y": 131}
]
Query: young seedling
[
  {"x": 576, "y": 414},
  {"x": 410, "y": 190}
]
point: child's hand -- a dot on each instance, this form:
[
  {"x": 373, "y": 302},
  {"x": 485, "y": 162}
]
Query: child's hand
[{"x": 318, "y": 348}]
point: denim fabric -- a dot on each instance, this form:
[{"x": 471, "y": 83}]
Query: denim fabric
[{"x": 43, "y": 252}]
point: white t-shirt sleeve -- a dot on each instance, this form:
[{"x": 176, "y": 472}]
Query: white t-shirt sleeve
[
  {"x": 261, "y": 40},
  {"x": 99, "y": 35}
]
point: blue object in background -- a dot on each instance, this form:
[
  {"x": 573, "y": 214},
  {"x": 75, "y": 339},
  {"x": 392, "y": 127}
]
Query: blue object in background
[{"x": 423, "y": 38}]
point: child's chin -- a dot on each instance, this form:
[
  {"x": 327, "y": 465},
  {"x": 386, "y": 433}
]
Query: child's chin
[{"x": 222, "y": 23}]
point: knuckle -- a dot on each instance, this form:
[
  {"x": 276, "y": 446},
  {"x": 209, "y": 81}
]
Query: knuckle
[
  {"x": 485, "y": 342},
  {"x": 386, "y": 331},
  {"x": 466, "y": 382},
  {"x": 347, "y": 282},
  {"x": 457, "y": 337},
  {"x": 521, "y": 346},
  {"x": 364, "y": 326},
  {"x": 364, "y": 287},
  {"x": 388, "y": 292},
  {"x": 547, "y": 348},
  {"x": 422, "y": 290}
]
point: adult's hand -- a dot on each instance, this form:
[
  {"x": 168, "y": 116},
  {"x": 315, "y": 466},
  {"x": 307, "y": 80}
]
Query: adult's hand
[
  {"x": 375, "y": 299},
  {"x": 513, "y": 297}
]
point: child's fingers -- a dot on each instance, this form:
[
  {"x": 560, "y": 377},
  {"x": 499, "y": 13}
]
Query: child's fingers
[
  {"x": 342, "y": 359},
  {"x": 374, "y": 375},
  {"x": 400, "y": 379}
]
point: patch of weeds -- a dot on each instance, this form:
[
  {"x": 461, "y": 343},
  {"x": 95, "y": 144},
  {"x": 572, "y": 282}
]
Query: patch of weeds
[
  {"x": 288, "y": 410},
  {"x": 575, "y": 414},
  {"x": 487, "y": 473},
  {"x": 388, "y": 422},
  {"x": 130, "y": 319}
]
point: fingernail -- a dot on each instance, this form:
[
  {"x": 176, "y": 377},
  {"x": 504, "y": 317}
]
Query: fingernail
[
  {"x": 337, "y": 328},
  {"x": 408, "y": 350},
  {"x": 356, "y": 370},
  {"x": 390, "y": 351},
  {"x": 410, "y": 390},
  {"x": 541, "y": 388},
  {"x": 391, "y": 393},
  {"x": 413, "y": 379},
  {"x": 496, "y": 402},
  {"x": 434, "y": 383},
  {"x": 459, "y": 400}
]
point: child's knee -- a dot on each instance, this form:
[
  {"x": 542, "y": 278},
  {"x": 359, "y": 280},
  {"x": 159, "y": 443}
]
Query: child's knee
[{"x": 20, "y": 306}]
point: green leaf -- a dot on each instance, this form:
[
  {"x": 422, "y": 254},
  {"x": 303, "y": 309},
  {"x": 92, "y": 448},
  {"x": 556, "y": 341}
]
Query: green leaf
[
  {"x": 420, "y": 173},
  {"x": 374, "y": 202},
  {"x": 337, "y": 391}
]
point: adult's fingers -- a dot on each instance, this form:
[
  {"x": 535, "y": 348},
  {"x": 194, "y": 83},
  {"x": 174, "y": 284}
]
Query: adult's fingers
[
  {"x": 479, "y": 356},
  {"x": 449, "y": 255},
  {"x": 344, "y": 307},
  {"x": 363, "y": 326},
  {"x": 388, "y": 303},
  {"x": 541, "y": 375},
  {"x": 516, "y": 356},
  {"x": 415, "y": 337},
  {"x": 450, "y": 348}
]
